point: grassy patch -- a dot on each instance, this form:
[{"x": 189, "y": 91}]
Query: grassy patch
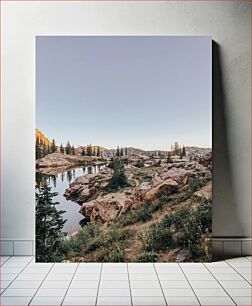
[
  {"x": 143, "y": 214},
  {"x": 156, "y": 238},
  {"x": 186, "y": 227},
  {"x": 147, "y": 257},
  {"x": 104, "y": 246}
]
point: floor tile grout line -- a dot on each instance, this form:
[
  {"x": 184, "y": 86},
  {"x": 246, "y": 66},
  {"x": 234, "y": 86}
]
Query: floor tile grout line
[
  {"x": 228, "y": 260},
  {"x": 160, "y": 283},
  {"x": 131, "y": 299},
  {"x": 220, "y": 284},
  {"x": 247, "y": 259},
  {"x": 1, "y": 266},
  {"x": 189, "y": 284},
  {"x": 208, "y": 270},
  {"x": 70, "y": 283},
  {"x": 41, "y": 283},
  {"x": 6, "y": 260},
  {"x": 237, "y": 272},
  {"x": 96, "y": 300},
  {"x": 16, "y": 276}
]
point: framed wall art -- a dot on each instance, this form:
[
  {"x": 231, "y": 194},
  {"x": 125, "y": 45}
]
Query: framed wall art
[{"x": 123, "y": 148}]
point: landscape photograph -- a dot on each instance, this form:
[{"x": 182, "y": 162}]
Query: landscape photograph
[{"x": 123, "y": 149}]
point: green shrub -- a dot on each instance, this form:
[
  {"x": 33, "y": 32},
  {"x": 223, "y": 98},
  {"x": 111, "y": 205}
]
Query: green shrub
[
  {"x": 196, "y": 250},
  {"x": 114, "y": 256},
  {"x": 195, "y": 224},
  {"x": 147, "y": 257},
  {"x": 156, "y": 238},
  {"x": 88, "y": 231},
  {"x": 190, "y": 233},
  {"x": 126, "y": 219},
  {"x": 118, "y": 179},
  {"x": 76, "y": 244},
  {"x": 143, "y": 213},
  {"x": 105, "y": 240},
  {"x": 110, "y": 253},
  {"x": 71, "y": 245},
  {"x": 196, "y": 183},
  {"x": 118, "y": 234},
  {"x": 166, "y": 221},
  {"x": 94, "y": 244},
  {"x": 180, "y": 216},
  {"x": 203, "y": 215},
  {"x": 140, "y": 163},
  {"x": 189, "y": 226}
]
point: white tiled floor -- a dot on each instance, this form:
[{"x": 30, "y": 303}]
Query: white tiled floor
[{"x": 24, "y": 282}]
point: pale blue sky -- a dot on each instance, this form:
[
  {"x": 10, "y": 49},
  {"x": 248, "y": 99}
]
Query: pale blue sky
[{"x": 140, "y": 91}]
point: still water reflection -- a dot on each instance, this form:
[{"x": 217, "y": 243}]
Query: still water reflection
[{"x": 59, "y": 183}]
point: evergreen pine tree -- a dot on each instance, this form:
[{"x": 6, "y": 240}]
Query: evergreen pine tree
[
  {"x": 53, "y": 146},
  {"x": 90, "y": 150},
  {"x": 98, "y": 152},
  {"x": 121, "y": 152},
  {"x": 68, "y": 148},
  {"x": 62, "y": 150},
  {"x": 169, "y": 160},
  {"x": 73, "y": 150},
  {"x": 118, "y": 151},
  {"x": 38, "y": 149},
  {"x": 184, "y": 151},
  {"x": 181, "y": 154},
  {"x": 140, "y": 163},
  {"x": 49, "y": 223},
  {"x": 126, "y": 151},
  {"x": 44, "y": 150},
  {"x": 118, "y": 179}
]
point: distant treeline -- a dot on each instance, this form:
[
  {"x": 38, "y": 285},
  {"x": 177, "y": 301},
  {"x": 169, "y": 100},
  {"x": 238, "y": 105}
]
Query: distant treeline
[{"x": 43, "y": 149}]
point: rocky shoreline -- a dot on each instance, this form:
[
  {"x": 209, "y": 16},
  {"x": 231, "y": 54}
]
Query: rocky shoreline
[
  {"x": 57, "y": 163},
  {"x": 170, "y": 178}
]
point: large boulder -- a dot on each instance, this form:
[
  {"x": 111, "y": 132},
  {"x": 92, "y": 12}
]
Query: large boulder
[
  {"x": 167, "y": 187},
  {"x": 108, "y": 207},
  {"x": 86, "y": 187},
  {"x": 204, "y": 193},
  {"x": 141, "y": 190},
  {"x": 181, "y": 174},
  {"x": 178, "y": 175},
  {"x": 148, "y": 191}
]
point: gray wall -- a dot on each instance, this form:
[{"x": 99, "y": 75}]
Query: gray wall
[{"x": 229, "y": 25}]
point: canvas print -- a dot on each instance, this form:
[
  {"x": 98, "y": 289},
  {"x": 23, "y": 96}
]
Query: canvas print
[{"x": 123, "y": 149}]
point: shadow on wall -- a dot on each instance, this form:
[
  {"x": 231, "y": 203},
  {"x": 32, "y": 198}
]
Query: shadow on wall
[{"x": 225, "y": 216}]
